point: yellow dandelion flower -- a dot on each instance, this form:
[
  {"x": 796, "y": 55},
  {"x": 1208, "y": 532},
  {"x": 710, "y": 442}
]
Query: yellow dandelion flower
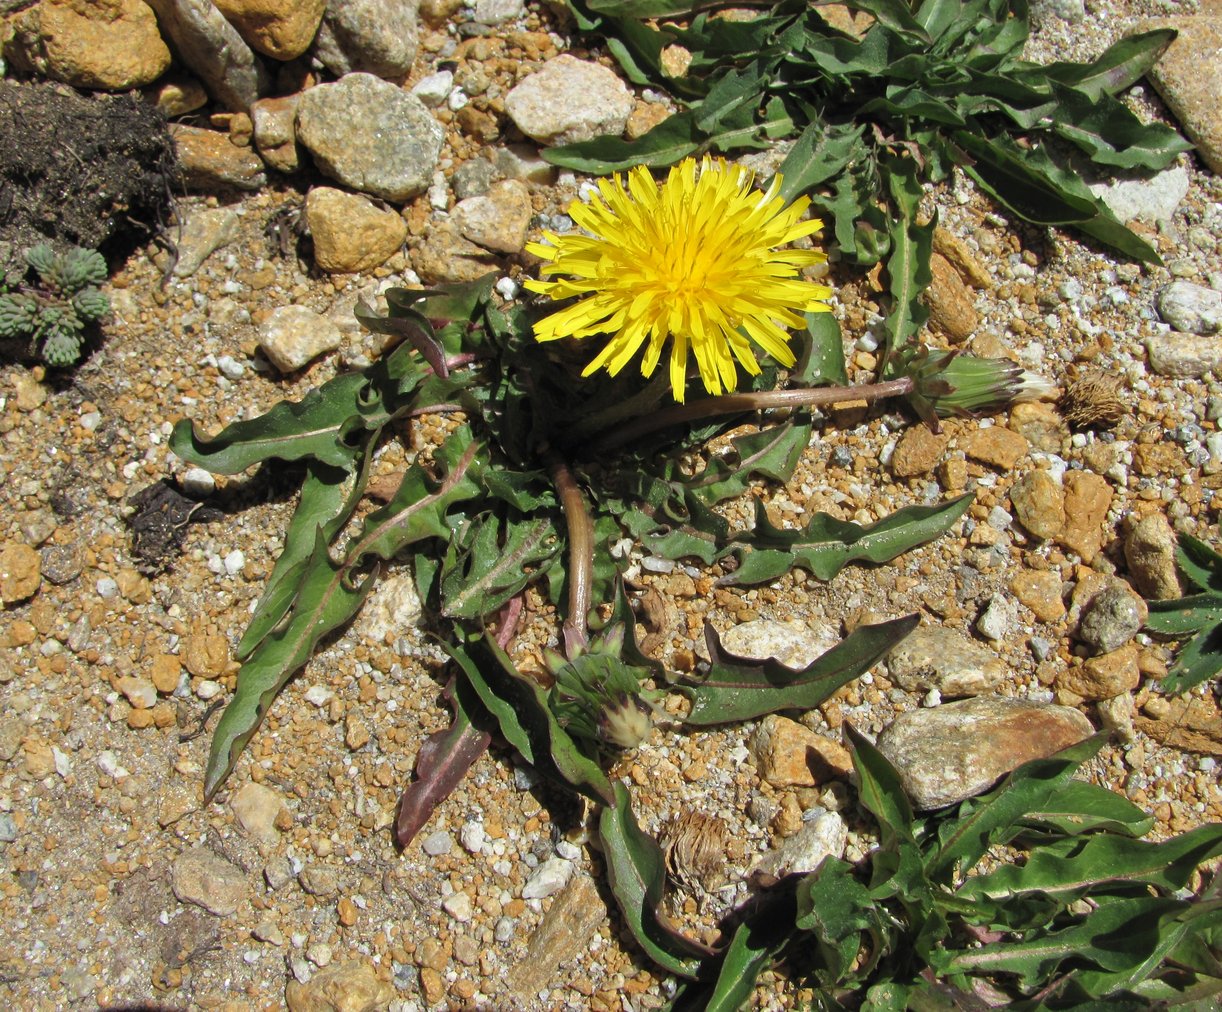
[{"x": 696, "y": 260}]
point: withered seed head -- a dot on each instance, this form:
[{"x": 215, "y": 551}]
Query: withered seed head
[{"x": 1093, "y": 401}]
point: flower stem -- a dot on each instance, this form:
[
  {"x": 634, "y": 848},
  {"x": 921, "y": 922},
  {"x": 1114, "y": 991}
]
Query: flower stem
[
  {"x": 581, "y": 549},
  {"x": 732, "y": 404}
]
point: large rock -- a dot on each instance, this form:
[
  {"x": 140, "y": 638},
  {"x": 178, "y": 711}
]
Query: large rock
[
  {"x": 281, "y": 29},
  {"x": 210, "y": 161},
  {"x": 935, "y": 657},
  {"x": 1149, "y": 549},
  {"x": 788, "y": 754},
  {"x": 274, "y": 122},
  {"x": 350, "y": 232},
  {"x": 202, "y": 877},
  {"x": 341, "y": 987},
  {"x": 948, "y": 753},
  {"x": 569, "y": 100},
  {"x": 293, "y": 336},
  {"x": 108, "y": 44},
  {"x": 374, "y": 36},
  {"x": 498, "y": 219},
  {"x": 395, "y": 161},
  {"x": 1189, "y": 308},
  {"x": 212, "y": 48}
]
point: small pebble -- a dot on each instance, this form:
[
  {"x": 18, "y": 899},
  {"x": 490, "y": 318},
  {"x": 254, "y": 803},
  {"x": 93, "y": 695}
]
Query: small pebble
[{"x": 438, "y": 843}]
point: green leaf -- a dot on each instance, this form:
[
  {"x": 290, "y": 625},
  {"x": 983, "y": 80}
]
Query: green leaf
[
  {"x": 1067, "y": 869},
  {"x": 491, "y": 561},
  {"x": 1198, "y": 661},
  {"x": 527, "y": 723},
  {"x": 739, "y": 689},
  {"x": 1119, "y": 67},
  {"x": 1199, "y": 563},
  {"x": 637, "y": 873},
  {"x": 329, "y": 593},
  {"x": 752, "y": 947},
  {"x": 821, "y": 360},
  {"x": 992, "y": 818},
  {"x": 908, "y": 271},
  {"x": 1112, "y": 135},
  {"x": 325, "y": 425},
  {"x": 1182, "y": 616},
  {"x": 670, "y": 141},
  {"x": 669, "y": 541},
  {"x": 820, "y": 153},
  {"x": 772, "y": 452},
  {"x": 880, "y": 789},
  {"x": 826, "y": 545},
  {"x": 837, "y": 909},
  {"x": 1080, "y": 807}
]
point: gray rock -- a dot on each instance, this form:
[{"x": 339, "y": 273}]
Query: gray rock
[
  {"x": 549, "y": 878},
  {"x": 497, "y": 12},
  {"x": 569, "y": 100},
  {"x": 199, "y": 876},
  {"x": 998, "y": 616},
  {"x": 823, "y": 836},
  {"x": 935, "y": 657},
  {"x": 293, "y": 336},
  {"x": 473, "y": 178},
  {"x": 435, "y": 88},
  {"x": 793, "y": 643},
  {"x": 1150, "y": 198},
  {"x": 438, "y": 843},
  {"x": 375, "y": 36},
  {"x": 1189, "y": 308},
  {"x": 1149, "y": 550},
  {"x": 212, "y": 48},
  {"x": 62, "y": 563},
  {"x": 275, "y": 131},
  {"x": 1071, "y": 11},
  {"x": 12, "y": 731},
  {"x": 319, "y": 880},
  {"x": 523, "y": 161},
  {"x": 1183, "y": 356},
  {"x": 278, "y": 872},
  {"x": 8, "y": 828},
  {"x": 497, "y": 220},
  {"x": 958, "y": 750},
  {"x": 204, "y": 232},
  {"x": 1111, "y": 618},
  {"x": 395, "y": 161}
]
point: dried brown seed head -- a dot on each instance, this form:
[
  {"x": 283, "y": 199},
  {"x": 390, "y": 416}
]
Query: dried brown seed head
[{"x": 1093, "y": 401}]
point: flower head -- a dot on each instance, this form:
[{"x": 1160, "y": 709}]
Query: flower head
[{"x": 696, "y": 260}]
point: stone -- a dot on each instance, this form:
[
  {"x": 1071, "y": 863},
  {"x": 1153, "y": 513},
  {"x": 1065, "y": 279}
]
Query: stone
[
  {"x": 523, "y": 161},
  {"x": 938, "y": 657},
  {"x": 20, "y": 572},
  {"x": 1116, "y": 714},
  {"x": 547, "y": 879},
  {"x": 473, "y": 178},
  {"x": 205, "y": 654},
  {"x": 1104, "y": 676},
  {"x": 437, "y": 843},
  {"x": 356, "y": 734},
  {"x": 377, "y": 37},
  {"x": 210, "y": 161},
  {"x": 1040, "y": 425},
  {"x": 12, "y": 730},
  {"x": 995, "y": 446},
  {"x": 293, "y": 336},
  {"x": 787, "y": 754},
  {"x": 569, "y": 100},
  {"x": 111, "y": 45},
  {"x": 177, "y": 95},
  {"x": 1071, "y": 11},
  {"x": 1111, "y": 618},
  {"x": 1149, "y": 550},
  {"x": 446, "y": 256},
  {"x": 206, "y": 879},
  {"x": 918, "y": 452},
  {"x": 213, "y": 50},
  {"x": 947, "y": 753},
  {"x": 281, "y": 29},
  {"x": 205, "y": 231},
  {"x": 826, "y": 835},
  {"x": 257, "y": 808},
  {"x": 140, "y": 692},
  {"x": 350, "y": 232},
  {"x": 396, "y": 161},
  {"x": 1088, "y": 497},
  {"x": 1040, "y": 590},
  {"x": 1188, "y": 76},
  {"x": 1189, "y": 308},
  {"x": 497, "y": 12},
  {"x": 392, "y": 608},
  {"x": 1183, "y": 356},
  {"x": 319, "y": 880},
  {"x": 459, "y": 906},
  {"x": 950, "y": 301},
  {"x": 1151, "y": 198},
  {"x": 997, "y": 618},
  {"x": 566, "y": 930},
  {"x": 352, "y": 986},
  {"x": 1039, "y": 504},
  {"x": 959, "y": 255},
  {"x": 497, "y": 220},
  {"x": 792, "y": 643},
  {"x": 435, "y": 88},
  {"x": 274, "y": 121}
]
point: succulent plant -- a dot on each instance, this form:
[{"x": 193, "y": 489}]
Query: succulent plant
[{"x": 54, "y": 310}]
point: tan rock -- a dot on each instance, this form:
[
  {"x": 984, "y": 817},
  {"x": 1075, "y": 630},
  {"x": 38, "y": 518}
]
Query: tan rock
[
  {"x": 447, "y": 256},
  {"x": 1161, "y": 458},
  {"x": 1039, "y": 504},
  {"x": 20, "y": 572},
  {"x": 1149, "y": 549},
  {"x": 1040, "y": 425},
  {"x": 950, "y": 301},
  {"x": 205, "y": 653},
  {"x": 498, "y": 219},
  {"x": 350, "y": 232},
  {"x": 1104, "y": 676},
  {"x": 176, "y": 95},
  {"x": 108, "y": 44},
  {"x": 644, "y": 117},
  {"x": 1088, "y": 497},
  {"x": 938, "y": 657},
  {"x": 565, "y": 931},
  {"x": 281, "y": 29},
  {"x": 275, "y": 132},
  {"x": 1040, "y": 590},
  {"x": 790, "y": 755},
  {"x": 995, "y": 445},
  {"x": 209, "y": 161},
  {"x": 257, "y": 809},
  {"x": 917, "y": 452},
  {"x": 1189, "y": 79},
  {"x": 960, "y": 256}
]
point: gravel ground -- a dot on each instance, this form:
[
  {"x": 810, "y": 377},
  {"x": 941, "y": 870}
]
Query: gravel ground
[{"x": 107, "y": 674}]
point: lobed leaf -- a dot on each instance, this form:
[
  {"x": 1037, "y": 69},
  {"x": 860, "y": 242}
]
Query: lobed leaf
[
  {"x": 772, "y": 452},
  {"x": 826, "y": 545},
  {"x": 492, "y": 561},
  {"x": 740, "y": 689}
]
